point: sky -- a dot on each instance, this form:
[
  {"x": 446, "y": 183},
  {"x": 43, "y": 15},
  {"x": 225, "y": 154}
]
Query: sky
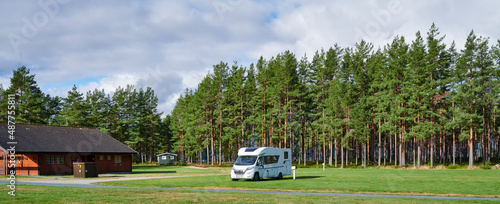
[{"x": 171, "y": 45}]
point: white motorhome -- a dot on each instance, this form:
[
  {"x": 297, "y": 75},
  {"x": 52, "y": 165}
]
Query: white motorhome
[{"x": 262, "y": 162}]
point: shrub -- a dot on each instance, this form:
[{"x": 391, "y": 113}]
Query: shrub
[
  {"x": 484, "y": 167},
  {"x": 452, "y": 167},
  {"x": 146, "y": 163},
  {"x": 179, "y": 164}
]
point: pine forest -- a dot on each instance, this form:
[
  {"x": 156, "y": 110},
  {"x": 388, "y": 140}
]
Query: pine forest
[{"x": 405, "y": 104}]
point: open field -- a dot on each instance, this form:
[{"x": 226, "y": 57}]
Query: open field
[
  {"x": 456, "y": 183},
  {"x": 156, "y": 170},
  {"x": 139, "y": 170},
  {"x": 49, "y": 194},
  {"x": 484, "y": 183}
]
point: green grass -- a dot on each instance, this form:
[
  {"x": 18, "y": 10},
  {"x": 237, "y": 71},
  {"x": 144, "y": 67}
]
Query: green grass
[
  {"x": 155, "y": 170},
  {"x": 477, "y": 183},
  {"x": 140, "y": 170},
  {"x": 46, "y": 194},
  {"x": 386, "y": 181}
]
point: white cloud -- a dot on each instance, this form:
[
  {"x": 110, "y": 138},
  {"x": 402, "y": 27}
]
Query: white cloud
[{"x": 115, "y": 42}]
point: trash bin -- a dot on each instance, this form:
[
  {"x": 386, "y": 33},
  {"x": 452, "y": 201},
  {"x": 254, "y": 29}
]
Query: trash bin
[{"x": 85, "y": 169}]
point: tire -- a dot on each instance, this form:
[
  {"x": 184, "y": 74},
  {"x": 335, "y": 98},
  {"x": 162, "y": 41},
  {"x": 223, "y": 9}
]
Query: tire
[
  {"x": 280, "y": 176},
  {"x": 235, "y": 179},
  {"x": 256, "y": 177}
]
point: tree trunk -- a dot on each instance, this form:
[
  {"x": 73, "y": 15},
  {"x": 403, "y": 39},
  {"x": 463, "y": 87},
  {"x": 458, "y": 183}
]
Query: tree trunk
[
  {"x": 413, "y": 148},
  {"x": 364, "y": 155},
  {"x": 330, "y": 157},
  {"x": 379, "y": 142},
  {"x": 385, "y": 149},
  {"x": 396, "y": 149},
  {"x": 432, "y": 151},
  {"x": 336, "y": 154},
  {"x": 419, "y": 152},
  {"x": 341, "y": 157},
  {"x": 304, "y": 140},
  {"x": 471, "y": 147}
]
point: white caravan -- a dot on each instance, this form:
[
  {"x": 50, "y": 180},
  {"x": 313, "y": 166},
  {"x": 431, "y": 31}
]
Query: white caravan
[{"x": 262, "y": 162}]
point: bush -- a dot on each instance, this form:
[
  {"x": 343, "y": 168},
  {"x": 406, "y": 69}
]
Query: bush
[
  {"x": 452, "y": 167},
  {"x": 179, "y": 164},
  {"x": 145, "y": 163}
]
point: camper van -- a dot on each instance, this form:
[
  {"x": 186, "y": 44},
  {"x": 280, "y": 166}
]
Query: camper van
[{"x": 262, "y": 162}]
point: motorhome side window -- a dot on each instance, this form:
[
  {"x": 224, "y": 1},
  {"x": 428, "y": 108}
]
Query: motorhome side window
[
  {"x": 260, "y": 162},
  {"x": 271, "y": 159},
  {"x": 286, "y": 155}
]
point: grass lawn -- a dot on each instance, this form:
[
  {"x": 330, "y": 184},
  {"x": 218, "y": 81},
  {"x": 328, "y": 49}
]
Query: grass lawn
[
  {"x": 46, "y": 194},
  {"x": 460, "y": 183},
  {"x": 156, "y": 170},
  {"x": 139, "y": 170},
  {"x": 482, "y": 183}
]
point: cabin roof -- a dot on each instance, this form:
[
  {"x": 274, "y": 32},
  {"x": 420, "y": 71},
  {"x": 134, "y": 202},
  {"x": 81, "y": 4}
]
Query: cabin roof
[
  {"x": 57, "y": 139},
  {"x": 166, "y": 153}
]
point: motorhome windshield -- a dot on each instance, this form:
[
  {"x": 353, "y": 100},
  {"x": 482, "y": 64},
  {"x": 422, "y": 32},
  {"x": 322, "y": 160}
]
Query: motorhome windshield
[{"x": 246, "y": 160}]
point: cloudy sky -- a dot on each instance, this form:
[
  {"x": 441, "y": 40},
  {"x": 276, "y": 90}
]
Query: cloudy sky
[{"x": 171, "y": 45}]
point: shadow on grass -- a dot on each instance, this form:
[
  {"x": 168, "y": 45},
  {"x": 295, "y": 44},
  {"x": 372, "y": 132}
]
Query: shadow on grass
[
  {"x": 154, "y": 172},
  {"x": 289, "y": 178},
  {"x": 303, "y": 177}
]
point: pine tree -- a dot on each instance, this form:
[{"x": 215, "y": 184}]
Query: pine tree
[
  {"x": 75, "y": 110},
  {"x": 99, "y": 109},
  {"x": 436, "y": 67},
  {"x": 454, "y": 125},
  {"x": 397, "y": 61},
  {"x": 418, "y": 102},
  {"x": 219, "y": 86},
  {"x": 304, "y": 104},
  {"x": 251, "y": 98},
  {"x": 466, "y": 72},
  {"x": 380, "y": 96},
  {"x": 29, "y": 99},
  {"x": 262, "y": 103},
  {"x": 484, "y": 84}
]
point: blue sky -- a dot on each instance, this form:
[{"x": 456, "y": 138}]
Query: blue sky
[{"x": 171, "y": 45}]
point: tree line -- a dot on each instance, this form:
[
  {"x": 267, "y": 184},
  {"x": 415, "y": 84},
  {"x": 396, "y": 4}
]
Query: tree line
[
  {"x": 408, "y": 103},
  {"x": 129, "y": 115}
]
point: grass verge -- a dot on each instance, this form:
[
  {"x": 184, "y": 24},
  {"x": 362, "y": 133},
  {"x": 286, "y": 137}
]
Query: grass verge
[
  {"x": 46, "y": 194},
  {"x": 479, "y": 183}
]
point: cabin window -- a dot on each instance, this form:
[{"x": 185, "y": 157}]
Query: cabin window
[
  {"x": 118, "y": 159},
  {"x": 59, "y": 159},
  {"x": 101, "y": 157},
  {"x": 109, "y": 157},
  {"x": 286, "y": 155},
  {"x": 51, "y": 159}
]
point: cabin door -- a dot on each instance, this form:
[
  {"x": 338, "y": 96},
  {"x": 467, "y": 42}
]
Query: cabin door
[{"x": 3, "y": 165}]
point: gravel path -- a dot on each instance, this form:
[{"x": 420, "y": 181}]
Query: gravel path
[{"x": 87, "y": 183}]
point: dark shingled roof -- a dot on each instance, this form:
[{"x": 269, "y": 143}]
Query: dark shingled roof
[{"x": 55, "y": 139}]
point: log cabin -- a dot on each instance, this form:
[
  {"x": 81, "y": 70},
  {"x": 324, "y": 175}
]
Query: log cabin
[{"x": 51, "y": 150}]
